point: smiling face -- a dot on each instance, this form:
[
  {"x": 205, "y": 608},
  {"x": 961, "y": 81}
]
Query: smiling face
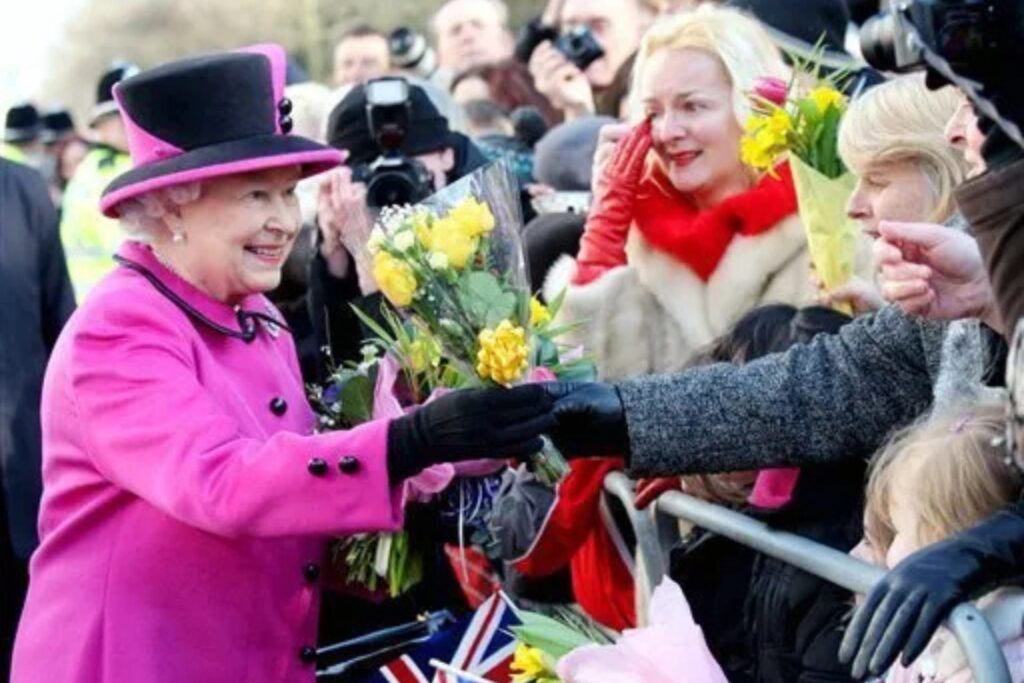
[
  {"x": 689, "y": 98},
  {"x": 891, "y": 191},
  {"x": 237, "y": 235}
]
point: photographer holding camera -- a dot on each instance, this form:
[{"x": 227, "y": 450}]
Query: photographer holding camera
[
  {"x": 575, "y": 50},
  {"x": 400, "y": 150}
]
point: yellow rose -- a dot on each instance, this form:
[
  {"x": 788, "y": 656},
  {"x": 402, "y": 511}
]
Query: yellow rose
[
  {"x": 502, "y": 354},
  {"x": 449, "y": 238},
  {"x": 539, "y": 313},
  {"x": 472, "y": 216},
  {"x": 395, "y": 278},
  {"x": 825, "y": 97}
]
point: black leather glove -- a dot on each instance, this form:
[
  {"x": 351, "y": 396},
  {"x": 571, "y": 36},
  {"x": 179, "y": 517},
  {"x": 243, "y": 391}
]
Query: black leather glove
[
  {"x": 469, "y": 424},
  {"x": 591, "y": 419},
  {"x": 903, "y": 610}
]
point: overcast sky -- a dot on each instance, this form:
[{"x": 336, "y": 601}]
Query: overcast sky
[{"x": 28, "y": 31}]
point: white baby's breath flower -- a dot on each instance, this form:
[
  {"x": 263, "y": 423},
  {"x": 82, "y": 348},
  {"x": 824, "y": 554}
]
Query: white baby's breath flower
[
  {"x": 438, "y": 260},
  {"x": 404, "y": 240}
]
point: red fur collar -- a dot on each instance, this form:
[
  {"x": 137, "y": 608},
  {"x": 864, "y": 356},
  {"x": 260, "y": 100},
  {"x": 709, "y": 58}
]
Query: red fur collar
[{"x": 670, "y": 223}]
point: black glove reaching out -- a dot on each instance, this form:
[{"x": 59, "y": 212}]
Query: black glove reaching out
[
  {"x": 591, "y": 419},
  {"x": 467, "y": 425},
  {"x": 902, "y": 612}
]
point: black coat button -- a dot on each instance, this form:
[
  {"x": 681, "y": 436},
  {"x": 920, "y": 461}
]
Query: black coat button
[
  {"x": 284, "y": 106},
  {"x": 349, "y": 464},
  {"x": 311, "y": 571},
  {"x": 317, "y": 467},
  {"x": 278, "y": 406},
  {"x": 307, "y": 654},
  {"x": 286, "y": 124}
]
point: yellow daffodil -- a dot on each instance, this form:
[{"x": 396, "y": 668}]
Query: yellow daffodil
[
  {"x": 395, "y": 278},
  {"x": 502, "y": 354},
  {"x": 530, "y": 665},
  {"x": 450, "y": 238},
  {"x": 825, "y": 97},
  {"x": 539, "y": 313},
  {"x": 766, "y": 138},
  {"x": 473, "y": 217}
]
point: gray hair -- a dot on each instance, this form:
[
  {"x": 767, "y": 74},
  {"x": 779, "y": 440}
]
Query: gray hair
[{"x": 142, "y": 217}]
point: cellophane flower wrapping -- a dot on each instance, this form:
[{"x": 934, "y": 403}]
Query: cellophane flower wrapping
[
  {"x": 454, "y": 265},
  {"x": 831, "y": 235}
]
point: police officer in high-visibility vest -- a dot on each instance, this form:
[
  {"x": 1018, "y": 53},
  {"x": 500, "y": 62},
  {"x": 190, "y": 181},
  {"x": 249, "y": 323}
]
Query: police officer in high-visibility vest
[
  {"x": 89, "y": 238},
  {"x": 22, "y": 130}
]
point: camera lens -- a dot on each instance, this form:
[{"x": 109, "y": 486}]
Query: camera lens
[
  {"x": 406, "y": 46},
  {"x": 391, "y": 189},
  {"x": 878, "y": 41}
]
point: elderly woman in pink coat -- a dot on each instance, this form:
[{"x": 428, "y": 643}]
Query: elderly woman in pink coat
[{"x": 186, "y": 500}]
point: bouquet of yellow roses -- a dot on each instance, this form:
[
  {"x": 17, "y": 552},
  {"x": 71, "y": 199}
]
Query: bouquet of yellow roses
[
  {"x": 800, "y": 123},
  {"x": 454, "y": 264}
]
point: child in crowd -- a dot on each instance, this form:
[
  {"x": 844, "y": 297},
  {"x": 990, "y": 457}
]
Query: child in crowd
[{"x": 933, "y": 480}]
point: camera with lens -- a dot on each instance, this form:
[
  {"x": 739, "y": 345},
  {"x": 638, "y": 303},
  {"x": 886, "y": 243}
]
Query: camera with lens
[
  {"x": 579, "y": 46},
  {"x": 975, "y": 37},
  {"x": 392, "y": 179},
  {"x": 411, "y": 52}
]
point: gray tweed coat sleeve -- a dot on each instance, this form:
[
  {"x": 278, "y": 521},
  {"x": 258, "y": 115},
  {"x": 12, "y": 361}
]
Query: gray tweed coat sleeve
[{"x": 835, "y": 398}]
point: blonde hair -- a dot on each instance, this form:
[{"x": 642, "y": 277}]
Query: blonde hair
[
  {"x": 957, "y": 476},
  {"x": 738, "y": 41},
  {"x": 902, "y": 120}
]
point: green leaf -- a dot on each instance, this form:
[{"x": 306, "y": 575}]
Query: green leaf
[
  {"x": 486, "y": 301},
  {"x": 545, "y": 352},
  {"x": 357, "y": 399},
  {"x": 556, "y": 304},
  {"x": 373, "y": 324},
  {"x": 548, "y": 635},
  {"x": 577, "y": 371}
]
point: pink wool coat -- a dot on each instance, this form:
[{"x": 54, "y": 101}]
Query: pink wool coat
[{"x": 186, "y": 503}]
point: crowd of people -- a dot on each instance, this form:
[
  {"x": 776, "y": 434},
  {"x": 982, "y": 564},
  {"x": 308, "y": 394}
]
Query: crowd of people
[{"x": 175, "y": 275}]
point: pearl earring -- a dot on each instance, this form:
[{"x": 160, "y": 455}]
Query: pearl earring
[{"x": 178, "y": 237}]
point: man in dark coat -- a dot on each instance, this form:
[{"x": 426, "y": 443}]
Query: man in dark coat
[{"x": 36, "y": 300}]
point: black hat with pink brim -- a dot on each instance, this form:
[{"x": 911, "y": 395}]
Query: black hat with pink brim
[{"x": 208, "y": 117}]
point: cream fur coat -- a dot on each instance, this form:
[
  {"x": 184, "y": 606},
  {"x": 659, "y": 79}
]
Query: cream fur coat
[{"x": 653, "y": 314}]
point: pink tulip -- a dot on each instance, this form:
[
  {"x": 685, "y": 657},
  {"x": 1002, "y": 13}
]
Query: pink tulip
[{"x": 775, "y": 90}]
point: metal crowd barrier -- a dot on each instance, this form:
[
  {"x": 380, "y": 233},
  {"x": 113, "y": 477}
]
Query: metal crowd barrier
[{"x": 968, "y": 625}]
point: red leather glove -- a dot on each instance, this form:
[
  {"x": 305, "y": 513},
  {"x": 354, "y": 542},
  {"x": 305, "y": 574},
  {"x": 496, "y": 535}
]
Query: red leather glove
[
  {"x": 603, "y": 246},
  {"x": 648, "y": 490}
]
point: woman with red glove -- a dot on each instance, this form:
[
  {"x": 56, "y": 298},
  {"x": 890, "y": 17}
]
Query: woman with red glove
[{"x": 683, "y": 238}]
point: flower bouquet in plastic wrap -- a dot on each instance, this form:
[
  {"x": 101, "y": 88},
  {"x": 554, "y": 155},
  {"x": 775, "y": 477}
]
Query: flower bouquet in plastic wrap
[
  {"x": 799, "y": 121},
  {"x": 454, "y": 265},
  {"x": 568, "y": 648}
]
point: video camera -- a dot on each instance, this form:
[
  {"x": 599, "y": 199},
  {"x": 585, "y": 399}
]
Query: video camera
[
  {"x": 975, "y": 37},
  {"x": 392, "y": 179}
]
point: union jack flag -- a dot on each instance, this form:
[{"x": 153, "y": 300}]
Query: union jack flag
[{"x": 479, "y": 643}]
